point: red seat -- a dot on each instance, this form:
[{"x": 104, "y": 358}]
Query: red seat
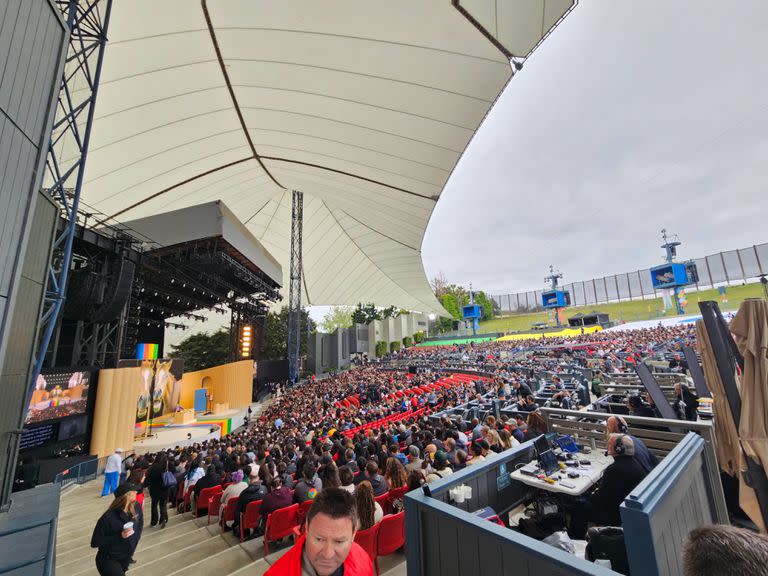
[
  {"x": 205, "y": 498},
  {"x": 383, "y": 501},
  {"x": 187, "y": 503},
  {"x": 280, "y": 524},
  {"x": 229, "y": 513},
  {"x": 250, "y": 519},
  {"x": 395, "y": 494},
  {"x": 367, "y": 540},
  {"x": 303, "y": 511},
  {"x": 180, "y": 493},
  {"x": 391, "y": 536},
  {"x": 214, "y": 505}
]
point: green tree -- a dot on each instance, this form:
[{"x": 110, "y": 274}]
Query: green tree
[
  {"x": 276, "y": 334},
  {"x": 202, "y": 350},
  {"x": 390, "y": 312},
  {"x": 337, "y": 317},
  {"x": 365, "y": 314},
  {"x": 482, "y": 300}
]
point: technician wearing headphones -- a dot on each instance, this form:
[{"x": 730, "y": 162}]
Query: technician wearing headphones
[
  {"x": 619, "y": 479},
  {"x": 646, "y": 458}
]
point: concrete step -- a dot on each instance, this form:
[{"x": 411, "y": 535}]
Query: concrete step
[
  {"x": 148, "y": 551},
  {"x": 187, "y": 524},
  {"x": 225, "y": 562},
  {"x": 152, "y": 538},
  {"x": 173, "y": 560}
]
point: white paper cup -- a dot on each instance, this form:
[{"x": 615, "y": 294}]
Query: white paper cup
[
  {"x": 458, "y": 496},
  {"x": 467, "y": 492},
  {"x": 128, "y": 526}
]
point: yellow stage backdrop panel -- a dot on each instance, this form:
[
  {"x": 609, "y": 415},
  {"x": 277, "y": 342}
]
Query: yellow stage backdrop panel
[
  {"x": 115, "y": 414},
  {"x": 229, "y": 383}
]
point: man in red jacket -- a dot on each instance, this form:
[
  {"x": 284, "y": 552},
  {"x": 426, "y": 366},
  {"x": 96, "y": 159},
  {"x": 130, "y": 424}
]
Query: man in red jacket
[{"x": 328, "y": 546}]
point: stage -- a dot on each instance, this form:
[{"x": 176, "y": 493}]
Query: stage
[{"x": 166, "y": 434}]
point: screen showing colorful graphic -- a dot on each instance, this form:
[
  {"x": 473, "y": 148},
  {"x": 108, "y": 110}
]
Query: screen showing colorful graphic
[
  {"x": 147, "y": 351},
  {"x": 58, "y": 395},
  {"x": 161, "y": 390}
]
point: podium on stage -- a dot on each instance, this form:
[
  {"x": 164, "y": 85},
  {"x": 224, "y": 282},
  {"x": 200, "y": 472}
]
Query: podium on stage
[{"x": 184, "y": 416}]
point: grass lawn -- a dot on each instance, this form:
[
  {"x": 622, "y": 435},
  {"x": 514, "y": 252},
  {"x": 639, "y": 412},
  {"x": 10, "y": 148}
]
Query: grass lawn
[{"x": 629, "y": 310}]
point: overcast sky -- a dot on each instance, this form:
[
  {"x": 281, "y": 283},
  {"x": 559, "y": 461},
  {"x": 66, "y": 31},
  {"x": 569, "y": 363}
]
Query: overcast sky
[{"x": 630, "y": 117}]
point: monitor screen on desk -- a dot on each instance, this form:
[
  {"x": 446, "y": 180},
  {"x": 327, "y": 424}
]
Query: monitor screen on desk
[
  {"x": 541, "y": 445},
  {"x": 548, "y": 462}
]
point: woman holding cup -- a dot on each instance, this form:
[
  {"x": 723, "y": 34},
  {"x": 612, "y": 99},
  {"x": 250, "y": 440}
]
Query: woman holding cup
[{"x": 117, "y": 532}]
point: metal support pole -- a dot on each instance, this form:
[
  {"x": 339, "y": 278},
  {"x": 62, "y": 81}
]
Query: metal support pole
[
  {"x": 88, "y": 21},
  {"x": 294, "y": 293}
]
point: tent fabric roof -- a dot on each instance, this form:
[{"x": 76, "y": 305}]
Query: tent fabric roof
[{"x": 364, "y": 107}]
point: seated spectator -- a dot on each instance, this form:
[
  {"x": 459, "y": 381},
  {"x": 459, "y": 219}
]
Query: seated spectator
[
  {"x": 347, "y": 479},
  {"x": 415, "y": 480},
  {"x": 395, "y": 474},
  {"x": 252, "y": 493},
  {"x": 239, "y": 483},
  {"x": 305, "y": 487},
  {"x": 619, "y": 479},
  {"x": 368, "y": 509},
  {"x": 721, "y": 550},
  {"x": 646, "y": 458},
  {"x": 194, "y": 474},
  {"x": 461, "y": 460},
  {"x": 210, "y": 480},
  {"x": 440, "y": 468},
  {"x": 377, "y": 482},
  {"x": 279, "y": 496},
  {"x": 349, "y": 456},
  {"x": 477, "y": 454},
  {"x": 329, "y": 476},
  {"x": 414, "y": 462}
]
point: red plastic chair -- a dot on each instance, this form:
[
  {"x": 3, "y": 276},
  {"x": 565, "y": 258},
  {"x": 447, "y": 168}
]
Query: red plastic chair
[
  {"x": 280, "y": 524},
  {"x": 251, "y": 517},
  {"x": 391, "y": 536},
  {"x": 180, "y": 494},
  {"x": 395, "y": 494},
  {"x": 367, "y": 539},
  {"x": 214, "y": 505},
  {"x": 383, "y": 501},
  {"x": 204, "y": 499},
  {"x": 229, "y": 513},
  {"x": 303, "y": 511}
]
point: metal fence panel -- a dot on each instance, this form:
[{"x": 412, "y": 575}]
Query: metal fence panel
[
  {"x": 749, "y": 262},
  {"x": 716, "y": 268},
  {"x": 578, "y": 294},
  {"x": 729, "y": 266},
  {"x": 762, "y": 255},
  {"x": 732, "y": 265},
  {"x": 600, "y": 293},
  {"x": 591, "y": 292},
  {"x": 701, "y": 268}
]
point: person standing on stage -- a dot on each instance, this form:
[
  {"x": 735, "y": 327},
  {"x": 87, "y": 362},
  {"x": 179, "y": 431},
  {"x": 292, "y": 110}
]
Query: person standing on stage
[
  {"x": 112, "y": 472},
  {"x": 117, "y": 532}
]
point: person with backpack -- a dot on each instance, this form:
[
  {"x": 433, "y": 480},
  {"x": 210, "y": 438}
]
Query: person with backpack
[{"x": 159, "y": 480}]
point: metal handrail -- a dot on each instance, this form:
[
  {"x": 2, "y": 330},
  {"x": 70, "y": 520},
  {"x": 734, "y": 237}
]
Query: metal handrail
[{"x": 79, "y": 473}]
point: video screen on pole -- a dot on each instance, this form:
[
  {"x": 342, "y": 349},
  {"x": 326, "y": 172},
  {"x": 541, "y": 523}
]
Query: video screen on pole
[{"x": 58, "y": 395}]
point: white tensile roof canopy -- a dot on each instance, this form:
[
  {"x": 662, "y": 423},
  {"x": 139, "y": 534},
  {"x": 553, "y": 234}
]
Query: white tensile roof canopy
[{"x": 365, "y": 107}]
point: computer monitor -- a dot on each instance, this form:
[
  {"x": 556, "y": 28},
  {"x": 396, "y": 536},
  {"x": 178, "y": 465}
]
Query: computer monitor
[
  {"x": 541, "y": 445},
  {"x": 568, "y": 444},
  {"x": 548, "y": 462}
]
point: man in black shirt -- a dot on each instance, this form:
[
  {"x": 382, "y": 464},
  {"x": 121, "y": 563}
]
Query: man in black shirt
[{"x": 619, "y": 479}]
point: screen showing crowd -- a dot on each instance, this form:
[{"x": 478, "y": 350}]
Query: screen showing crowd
[{"x": 58, "y": 395}]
